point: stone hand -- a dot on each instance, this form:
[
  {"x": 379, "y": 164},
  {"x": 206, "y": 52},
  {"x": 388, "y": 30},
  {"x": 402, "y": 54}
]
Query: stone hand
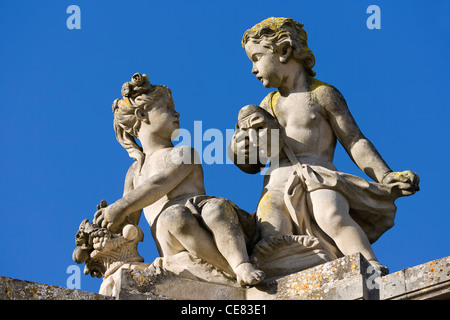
[
  {"x": 243, "y": 141},
  {"x": 99, "y": 216},
  {"x": 409, "y": 178},
  {"x": 105, "y": 217}
]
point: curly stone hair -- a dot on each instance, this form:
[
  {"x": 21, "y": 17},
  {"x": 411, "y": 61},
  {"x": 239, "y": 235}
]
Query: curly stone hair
[
  {"x": 136, "y": 94},
  {"x": 279, "y": 31}
]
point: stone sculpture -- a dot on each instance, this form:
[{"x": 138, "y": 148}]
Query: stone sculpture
[
  {"x": 304, "y": 194},
  {"x": 193, "y": 231},
  {"x": 105, "y": 252},
  {"x": 308, "y": 213}
]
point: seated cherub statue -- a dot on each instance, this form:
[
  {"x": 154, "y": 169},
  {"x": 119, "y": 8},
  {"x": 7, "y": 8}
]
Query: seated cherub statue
[
  {"x": 305, "y": 194},
  {"x": 167, "y": 184}
]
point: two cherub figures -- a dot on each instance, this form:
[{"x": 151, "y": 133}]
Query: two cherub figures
[{"x": 306, "y": 205}]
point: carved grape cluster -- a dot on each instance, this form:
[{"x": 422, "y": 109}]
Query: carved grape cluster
[
  {"x": 88, "y": 238},
  {"x": 100, "y": 238}
]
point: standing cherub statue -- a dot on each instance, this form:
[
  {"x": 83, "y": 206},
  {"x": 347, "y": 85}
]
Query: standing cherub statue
[
  {"x": 305, "y": 194},
  {"x": 166, "y": 182}
]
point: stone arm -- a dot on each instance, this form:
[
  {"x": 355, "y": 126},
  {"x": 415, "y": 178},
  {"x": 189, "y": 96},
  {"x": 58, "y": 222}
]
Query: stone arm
[
  {"x": 359, "y": 148},
  {"x": 133, "y": 217},
  {"x": 170, "y": 175}
]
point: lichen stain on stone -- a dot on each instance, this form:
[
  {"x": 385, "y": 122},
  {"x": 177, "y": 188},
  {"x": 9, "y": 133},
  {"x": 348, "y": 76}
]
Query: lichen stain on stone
[
  {"x": 274, "y": 103},
  {"x": 230, "y": 214},
  {"x": 306, "y": 286},
  {"x": 272, "y": 23},
  {"x": 34, "y": 291},
  {"x": 141, "y": 280}
]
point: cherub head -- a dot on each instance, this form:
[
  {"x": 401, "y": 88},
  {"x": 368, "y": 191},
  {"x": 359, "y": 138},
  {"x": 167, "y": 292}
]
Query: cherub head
[
  {"x": 274, "y": 42},
  {"x": 143, "y": 105}
]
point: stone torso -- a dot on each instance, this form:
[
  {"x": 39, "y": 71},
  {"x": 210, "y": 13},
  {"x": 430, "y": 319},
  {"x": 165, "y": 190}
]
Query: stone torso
[
  {"x": 306, "y": 125},
  {"x": 191, "y": 186}
]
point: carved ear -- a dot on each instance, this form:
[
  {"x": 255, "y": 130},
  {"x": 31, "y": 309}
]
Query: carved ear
[
  {"x": 286, "y": 52},
  {"x": 141, "y": 115}
]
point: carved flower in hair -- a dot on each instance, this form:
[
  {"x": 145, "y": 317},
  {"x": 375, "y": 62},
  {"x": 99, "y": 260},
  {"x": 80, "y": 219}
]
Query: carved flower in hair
[
  {"x": 139, "y": 79},
  {"x": 139, "y": 84}
]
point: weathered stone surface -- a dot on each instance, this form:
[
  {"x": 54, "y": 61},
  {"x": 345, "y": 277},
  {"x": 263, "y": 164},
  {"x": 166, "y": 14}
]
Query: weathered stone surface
[
  {"x": 430, "y": 280},
  {"x": 14, "y": 289},
  {"x": 341, "y": 279},
  {"x": 144, "y": 285},
  {"x": 282, "y": 255},
  {"x": 166, "y": 183},
  {"x": 347, "y": 278},
  {"x": 305, "y": 199},
  {"x": 303, "y": 191}
]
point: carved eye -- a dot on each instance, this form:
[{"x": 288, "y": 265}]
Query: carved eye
[{"x": 255, "y": 57}]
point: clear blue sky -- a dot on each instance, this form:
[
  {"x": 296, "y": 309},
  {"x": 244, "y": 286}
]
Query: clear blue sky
[{"x": 60, "y": 157}]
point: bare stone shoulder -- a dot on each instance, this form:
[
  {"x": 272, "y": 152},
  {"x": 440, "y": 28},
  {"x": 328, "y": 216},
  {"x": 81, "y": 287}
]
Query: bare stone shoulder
[
  {"x": 184, "y": 155},
  {"x": 328, "y": 96}
]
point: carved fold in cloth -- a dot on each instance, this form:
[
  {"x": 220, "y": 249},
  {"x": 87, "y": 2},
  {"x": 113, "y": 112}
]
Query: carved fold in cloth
[{"x": 371, "y": 204}]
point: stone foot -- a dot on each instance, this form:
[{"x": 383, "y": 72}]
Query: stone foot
[
  {"x": 248, "y": 274},
  {"x": 382, "y": 270}
]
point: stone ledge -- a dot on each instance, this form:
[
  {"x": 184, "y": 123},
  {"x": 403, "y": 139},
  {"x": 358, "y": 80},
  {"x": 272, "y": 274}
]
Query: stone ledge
[
  {"x": 347, "y": 278},
  {"x": 142, "y": 285},
  {"x": 340, "y": 279},
  {"x": 14, "y": 289},
  {"x": 430, "y": 280}
]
